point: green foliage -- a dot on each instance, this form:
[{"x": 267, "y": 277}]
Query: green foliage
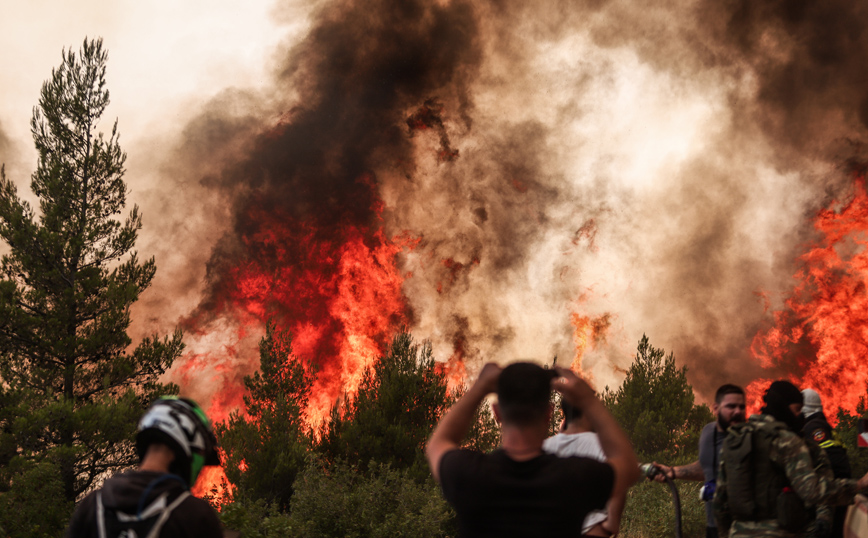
[
  {"x": 650, "y": 512},
  {"x": 256, "y": 519},
  {"x": 847, "y": 431},
  {"x": 272, "y": 440},
  {"x": 66, "y": 288},
  {"x": 34, "y": 506},
  {"x": 654, "y": 405},
  {"x": 382, "y": 503},
  {"x": 399, "y": 401},
  {"x": 484, "y": 434}
]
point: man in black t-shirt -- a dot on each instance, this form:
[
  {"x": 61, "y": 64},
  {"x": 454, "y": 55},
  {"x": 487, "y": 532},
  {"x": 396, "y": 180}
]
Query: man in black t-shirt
[{"x": 518, "y": 490}]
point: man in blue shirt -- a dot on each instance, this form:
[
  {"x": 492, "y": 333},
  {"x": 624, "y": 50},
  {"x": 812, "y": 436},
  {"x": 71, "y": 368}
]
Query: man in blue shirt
[{"x": 728, "y": 408}]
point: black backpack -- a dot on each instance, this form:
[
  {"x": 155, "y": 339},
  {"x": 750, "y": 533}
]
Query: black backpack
[
  {"x": 146, "y": 524},
  {"x": 757, "y": 488}
]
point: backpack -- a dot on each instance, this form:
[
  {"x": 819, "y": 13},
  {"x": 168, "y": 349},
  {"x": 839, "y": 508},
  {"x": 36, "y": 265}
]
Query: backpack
[
  {"x": 758, "y": 489},
  {"x": 146, "y": 524}
]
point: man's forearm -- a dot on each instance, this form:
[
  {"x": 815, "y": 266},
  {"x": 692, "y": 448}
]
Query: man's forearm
[
  {"x": 692, "y": 471},
  {"x": 614, "y": 442}
]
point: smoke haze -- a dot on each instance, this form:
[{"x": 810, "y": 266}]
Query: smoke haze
[
  {"x": 658, "y": 167},
  {"x": 651, "y": 170}
]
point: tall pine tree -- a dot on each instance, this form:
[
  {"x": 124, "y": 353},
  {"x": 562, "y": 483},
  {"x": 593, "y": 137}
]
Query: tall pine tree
[{"x": 66, "y": 287}]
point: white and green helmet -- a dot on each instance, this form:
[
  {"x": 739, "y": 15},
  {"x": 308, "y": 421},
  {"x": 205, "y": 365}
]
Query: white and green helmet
[{"x": 182, "y": 425}]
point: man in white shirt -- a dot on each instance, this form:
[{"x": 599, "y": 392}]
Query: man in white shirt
[{"x": 577, "y": 438}]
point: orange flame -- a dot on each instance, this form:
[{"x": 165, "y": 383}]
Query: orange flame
[
  {"x": 212, "y": 484},
  {"x": 589, "y": 332},
  {"x": 820, "y": 336},
  {"x": 335, "y": 288}
]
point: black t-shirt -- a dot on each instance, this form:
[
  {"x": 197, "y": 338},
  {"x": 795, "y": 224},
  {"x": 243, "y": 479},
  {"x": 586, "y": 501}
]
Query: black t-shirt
[
  {"x": 125, "y": 492},
  {"x": 548, "y": 496}
]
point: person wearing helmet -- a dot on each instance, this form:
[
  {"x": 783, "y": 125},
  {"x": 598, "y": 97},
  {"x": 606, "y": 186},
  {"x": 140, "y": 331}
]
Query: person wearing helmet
[{"x": 174, "y": 442}]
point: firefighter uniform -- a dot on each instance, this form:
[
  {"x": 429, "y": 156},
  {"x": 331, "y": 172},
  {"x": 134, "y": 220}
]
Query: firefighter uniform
[
  {"x": 811, "y": 479},
  {"x": 818, "y": 430}
]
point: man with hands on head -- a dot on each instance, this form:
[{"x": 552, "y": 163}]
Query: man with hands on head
[{"x": 518, "y": 490}]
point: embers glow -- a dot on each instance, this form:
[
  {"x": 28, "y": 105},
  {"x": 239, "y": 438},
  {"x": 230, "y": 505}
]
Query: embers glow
[
  {"x": 821, "y": 335},
  {"x": 589, "y": 332}
]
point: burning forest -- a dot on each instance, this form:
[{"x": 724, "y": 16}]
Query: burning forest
[
  {"x": 512, "y": 181},
  {"x": 527, "y": 181}
]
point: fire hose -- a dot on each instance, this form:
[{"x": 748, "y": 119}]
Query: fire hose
[{"x": 651, "y": 471}]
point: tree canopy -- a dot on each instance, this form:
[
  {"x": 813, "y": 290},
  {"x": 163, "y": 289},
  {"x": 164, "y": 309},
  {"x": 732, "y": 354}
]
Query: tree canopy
[
  {"x": 266, "y": 447},
  {"x": 66, "y": 288},
  {"x": 655, "y": 405}
]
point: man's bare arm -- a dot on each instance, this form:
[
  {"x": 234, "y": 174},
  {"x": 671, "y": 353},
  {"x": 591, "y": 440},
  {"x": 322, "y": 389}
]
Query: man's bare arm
[
  {"x": 453, "y": 427},
  {"x": 614, "y": 442},
  {"x": 691, "y": 471},
  {"x": 615, "y": 509}
]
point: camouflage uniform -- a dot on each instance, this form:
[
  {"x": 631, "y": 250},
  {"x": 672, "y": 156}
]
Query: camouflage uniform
[{"x": 812, "y": 482}]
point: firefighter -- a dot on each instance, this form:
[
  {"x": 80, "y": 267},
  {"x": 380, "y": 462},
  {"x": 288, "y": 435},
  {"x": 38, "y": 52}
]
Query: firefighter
[
  {"x": 768, "y": 481},
  {"x": 818, "y": 430}
]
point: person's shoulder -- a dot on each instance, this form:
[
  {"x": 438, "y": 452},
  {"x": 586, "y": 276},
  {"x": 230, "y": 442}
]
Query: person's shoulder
[
  {"x": 787, "y": 443},
  {"x": 816, "y": 432},
  {"x": 707, "y": 431},
  {"x": 198, "y": 517},
  {"x": 83, "y": 521},
  {"x": 551, "y": 444},
  {"x": 464, "y": 453},
  {"x": 461, "y": 458}
]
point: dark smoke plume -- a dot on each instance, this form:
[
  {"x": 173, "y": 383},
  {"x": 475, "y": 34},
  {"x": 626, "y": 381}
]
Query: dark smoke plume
[
  {"x": 362, "y": 71},
  {"x": 657, "y": 168}
]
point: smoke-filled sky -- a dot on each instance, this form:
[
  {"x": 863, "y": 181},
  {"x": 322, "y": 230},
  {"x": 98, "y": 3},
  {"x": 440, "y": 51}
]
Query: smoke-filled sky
[{"x": 653, "y": 170}]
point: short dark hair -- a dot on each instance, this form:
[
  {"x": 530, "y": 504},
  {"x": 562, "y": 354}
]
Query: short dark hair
[
  {"x": 727, "y": 389},
  {"x": 570, "y": 411},
  {"x": 523, "y": 393}
]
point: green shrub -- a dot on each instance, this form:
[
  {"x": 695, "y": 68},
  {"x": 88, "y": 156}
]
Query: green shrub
[
  {"x": 384, "y": 503},
  {"x": 256, "y": 519},
  {"x": 34, "y": 506},
  {"x": 650, "y": 512}
]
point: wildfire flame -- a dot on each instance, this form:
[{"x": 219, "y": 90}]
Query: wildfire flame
[
  {"x": 339, "y": 295},
  {"x": 589, "y": 333},
  {"x": 820, "y": 337}
]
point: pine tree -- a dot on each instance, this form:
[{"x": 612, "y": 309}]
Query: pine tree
[
  {"x": 655, "y": 405},
  {"x": 66, "y": 287},
  {"x": 266, "y": 447},
  {"x": 400, "y": 400}
]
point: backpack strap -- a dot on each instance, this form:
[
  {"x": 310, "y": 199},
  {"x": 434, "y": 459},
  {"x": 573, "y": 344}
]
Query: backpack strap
[
  {"x": 100, "y": 516},
  {"x": 155, "y": 531},
  {"x": 158, "y": 506}
]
